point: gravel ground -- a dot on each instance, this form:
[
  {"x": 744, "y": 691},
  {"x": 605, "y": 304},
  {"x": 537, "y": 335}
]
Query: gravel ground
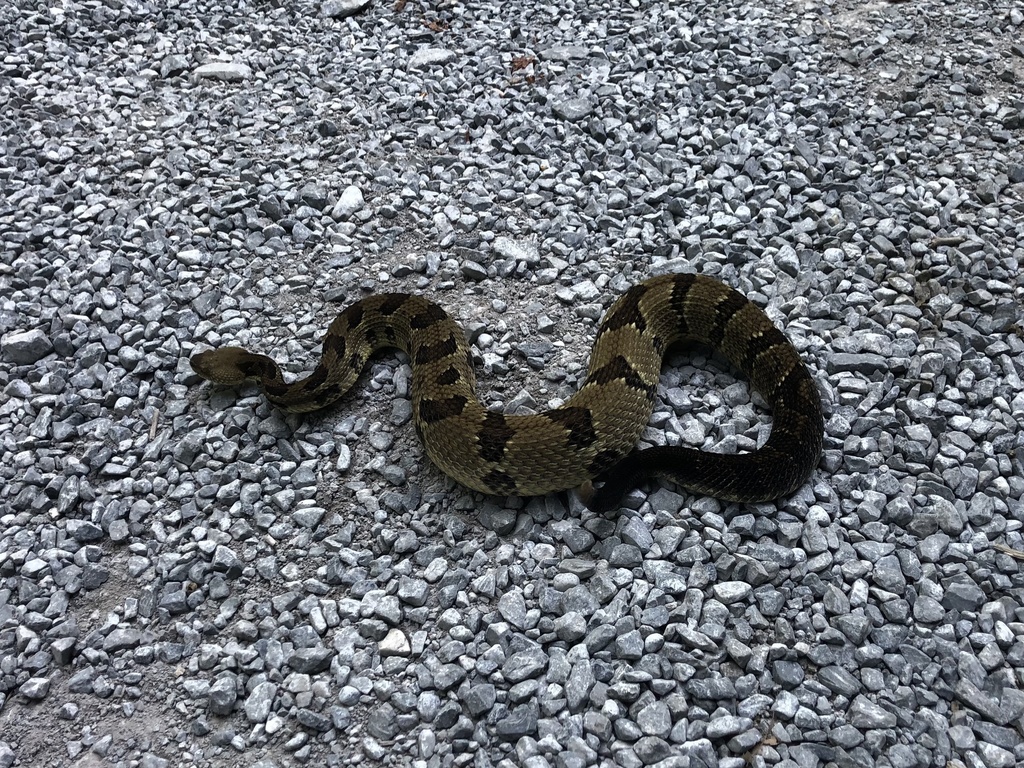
[{"x": 187, "y": 577}]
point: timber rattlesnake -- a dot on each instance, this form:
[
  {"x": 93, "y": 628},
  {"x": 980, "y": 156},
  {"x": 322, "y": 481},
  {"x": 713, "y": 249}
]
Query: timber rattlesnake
[{"x": 593, "y": 433}]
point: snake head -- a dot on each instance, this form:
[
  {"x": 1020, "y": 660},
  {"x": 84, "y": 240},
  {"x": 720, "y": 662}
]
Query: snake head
[{"x": 232, "y": 366}]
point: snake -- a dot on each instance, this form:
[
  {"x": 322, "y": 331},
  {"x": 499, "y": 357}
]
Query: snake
[{"x": 588, "y": 443}]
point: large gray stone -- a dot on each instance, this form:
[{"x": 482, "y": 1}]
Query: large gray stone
[{"x": 26, "y": 347}]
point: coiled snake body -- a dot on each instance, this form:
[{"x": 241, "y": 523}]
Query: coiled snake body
[{"x": 593, "y": 433}]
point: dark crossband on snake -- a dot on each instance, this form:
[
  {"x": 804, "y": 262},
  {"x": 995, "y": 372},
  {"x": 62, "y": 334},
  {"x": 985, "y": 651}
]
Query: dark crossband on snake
[{"x": 592, "y": 436}]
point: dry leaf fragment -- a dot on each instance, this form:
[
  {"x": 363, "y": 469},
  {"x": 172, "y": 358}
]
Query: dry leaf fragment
[{"x": 522, "y": 62}]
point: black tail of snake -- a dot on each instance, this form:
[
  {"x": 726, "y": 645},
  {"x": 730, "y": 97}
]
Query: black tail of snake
[{"x": 593, "y": 434}]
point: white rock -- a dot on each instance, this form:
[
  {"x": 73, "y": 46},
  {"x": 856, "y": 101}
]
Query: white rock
[
  {"x": 424, "y": 57},
  {"x": 222, "y": 70},
  {"x": 351, "y": 200}
]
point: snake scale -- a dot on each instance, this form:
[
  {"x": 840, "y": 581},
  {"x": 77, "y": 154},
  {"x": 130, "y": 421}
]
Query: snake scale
[{"x": 594, "y": 433}]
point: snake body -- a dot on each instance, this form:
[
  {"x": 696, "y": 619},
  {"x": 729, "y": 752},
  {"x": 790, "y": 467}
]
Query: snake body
[{"x": 593, "y": 433}]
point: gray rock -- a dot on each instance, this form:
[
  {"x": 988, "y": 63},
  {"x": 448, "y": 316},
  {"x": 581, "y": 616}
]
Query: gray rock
[
  {"x": 121, "y": 639},
  {"x": 94, "y": 576},
  {"x": 651, "y": 750},
  {"x": 571, "y": 627},
  {"x": 635, "y": 533},
  {"x": 579, "y": 685},
  {"x": 573, "y": 110},
  {"x": 259, "y": 701},
  {"x": 578, "y": 539},
  {"x": 788, "y": 673},
  {"x": 512, "y": 608},
  {"x": 655, "y": 719},
  {"x": 524, "y": 664},
  {"x": 840, "y": 681},
  {"x": 35, "y": 688},
  {"x": 498, "y": 519},
  {"x": 855, "y": 628},
  {"x": 174, "y": 601},
  {"x": 599, "y": 638},
  {"x": 311, "y": 660},
  {"x": 521, "y": 721},
  {"x": 447, "y": 676},
  {"x": 995, "y": 756},
  {"x": 428, "y": 57},
  {"x": 413, "y": 591},
  {"x": 480, "y": 699},
  {"x": 525, "y": 251},
  {"x": 25, "y": 347},
  {"x": 226, "y": 561},
  {"x": 564, "y": 52},
  {"x": 597, "y": 724},
  {"x": 962, "y": 594},
  {"x": 864, "y": 713},
  {"x": 629, "y": 645},
  {"x": 62, "y": 650},
  {"x": 220, "y": 70},
  {"x": 381, "y": 723},
  {"x": 314, "y": 720},
  {"x": 888, "y": 575},
  {"x": 223, "y": 695},
  {"x": 928, "y": 610},
  {"x": 729, "y": 592},
  {"x": 865, "y": 363},
  {"x": 725, "y": 726},
  {"x": 83, "y": 531},
  {"x": 625, "y": 556},
  {"x": 174, "y": 64},
  {"x": 579, "y": 600}
]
